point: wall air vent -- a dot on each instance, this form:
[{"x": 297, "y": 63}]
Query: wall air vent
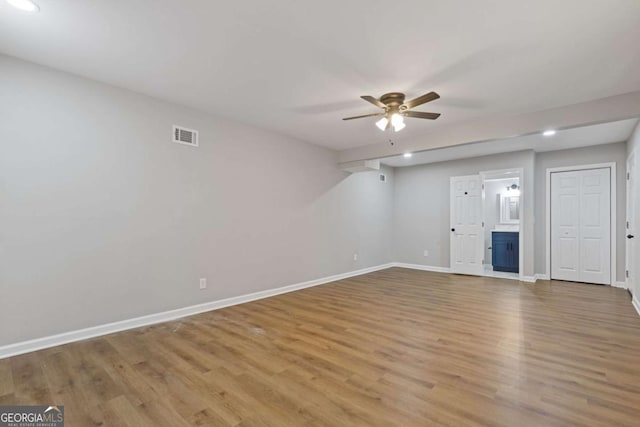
[{"x": 185, "y": 136}]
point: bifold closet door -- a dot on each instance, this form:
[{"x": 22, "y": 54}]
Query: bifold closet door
[{"x": 581, "y": 226}]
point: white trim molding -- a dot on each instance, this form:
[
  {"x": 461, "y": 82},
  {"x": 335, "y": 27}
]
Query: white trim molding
[
  {"x": 123, "y": 325},
  {"x": 619, "y": 284},
  {"x": 613, "y": 207},
  {"x": 636, "y": 304},
  {"x": 542, "y": 276},
  {"x": 422, "y": 267},
  {"x": 529, "y": 279}
]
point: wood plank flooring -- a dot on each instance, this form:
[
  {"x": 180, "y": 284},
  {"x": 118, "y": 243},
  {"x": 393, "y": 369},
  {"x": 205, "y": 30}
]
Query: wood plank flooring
[{"x": 395, "y": 347}]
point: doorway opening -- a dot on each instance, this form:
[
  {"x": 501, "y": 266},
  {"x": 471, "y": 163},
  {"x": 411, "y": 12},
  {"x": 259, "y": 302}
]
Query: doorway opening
[
  {"x": 503, "y": 224},
  {"x": 469, "y": 227}
]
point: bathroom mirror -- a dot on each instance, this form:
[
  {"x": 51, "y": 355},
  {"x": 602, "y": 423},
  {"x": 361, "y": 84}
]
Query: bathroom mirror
[{"x": 509, "y": 209}]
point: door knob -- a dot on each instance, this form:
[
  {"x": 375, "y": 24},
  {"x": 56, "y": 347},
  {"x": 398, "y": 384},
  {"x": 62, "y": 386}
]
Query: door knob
[
  {"x": 453, "y": 229},
  {"x": 630, "y": 236}
]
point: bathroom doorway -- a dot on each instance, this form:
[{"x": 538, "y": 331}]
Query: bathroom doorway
[{"x": 502, "y": 194}]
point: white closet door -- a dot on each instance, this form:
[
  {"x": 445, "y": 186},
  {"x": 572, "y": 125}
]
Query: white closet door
[
  {"x": 467, "y": 231},
  {"x": 565, "y": 225},
  {"x": 581, "y": 226},
  {"x": 595, "y": 226}
]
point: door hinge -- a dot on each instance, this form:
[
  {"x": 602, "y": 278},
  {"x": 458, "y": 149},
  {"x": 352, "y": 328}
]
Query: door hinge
[
  {"x": 626, "y": 273},
  {"x": 483, "y": 223},
  {"x": 627, "y": 225},
  {"x": 628, "y": 176},
  {"x": 483, "y": 185}
]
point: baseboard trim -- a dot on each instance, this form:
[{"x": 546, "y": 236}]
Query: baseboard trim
[
  {"x": 530, "y": 279},
  {"x": 422, "y": 267},
  {"x": 545, "y": 276},
  {"x": 618, "y": 284},
  {"x": 110, "y": 328},
  {"x": 636, "y": 304}
]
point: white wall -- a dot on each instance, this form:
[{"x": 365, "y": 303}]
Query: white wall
[
  {"x": 575, "y": 157},
  {"x": 102, "y": 218},
  {"x": 421, "y": 206}
]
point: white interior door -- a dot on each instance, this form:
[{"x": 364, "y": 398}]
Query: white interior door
[
  {"x": 581, "y": 226},
  {"x": 633, "y": 207},
  {"x": 565, "y": 225},
  {"x": 467, "y": 230}
]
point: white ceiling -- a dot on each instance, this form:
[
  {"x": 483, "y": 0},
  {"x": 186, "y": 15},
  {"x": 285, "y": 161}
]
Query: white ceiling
[
  {"x": 298, "y": 67},
  {"x": 605, "y": 133}
]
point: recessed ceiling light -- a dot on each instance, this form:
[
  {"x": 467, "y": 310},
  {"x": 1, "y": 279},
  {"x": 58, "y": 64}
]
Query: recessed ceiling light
[
  {"x": 26, "y": 5},
  {"x": 550, "y": 132},
  {"x": 407, "y": 155}
]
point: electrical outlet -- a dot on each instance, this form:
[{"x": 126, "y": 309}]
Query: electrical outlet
[
  {"x": 203, "y": 283},
  {"x": 426, "y": 253},
  {"x": 355, "y": 257}
]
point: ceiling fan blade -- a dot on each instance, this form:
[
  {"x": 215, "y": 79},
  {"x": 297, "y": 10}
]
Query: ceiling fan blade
[
  {"x": 421, "y": 115},
  {"x": 428, "y": 97},
  {"x": 374, "y": 101},
  {"x": 361, "y": 117}
]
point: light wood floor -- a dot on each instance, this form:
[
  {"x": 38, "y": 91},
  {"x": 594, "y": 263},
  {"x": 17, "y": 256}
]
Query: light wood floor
[{"x": 396, "y": 347}]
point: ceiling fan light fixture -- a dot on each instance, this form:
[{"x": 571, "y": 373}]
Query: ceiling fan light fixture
[
  {"x": 407, "y": 155},
  {"x": 395, "y": 109},
  {"x": 396, "y": 119},
  {"x": 382, "y": 123},
  {"x": 24, "y": 5},
  {"x": 549, "y": 132},
  {"x": 399, "y": 126}
]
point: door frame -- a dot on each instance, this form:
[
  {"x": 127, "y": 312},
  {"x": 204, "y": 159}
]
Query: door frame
[
  {"x": 628, "y": 262},
  {"x": 519, "y": 172},
  {"x": 613, "y": 213}
]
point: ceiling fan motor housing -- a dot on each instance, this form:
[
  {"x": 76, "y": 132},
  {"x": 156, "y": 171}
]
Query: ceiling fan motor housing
[{"x": 393, "y": 101}]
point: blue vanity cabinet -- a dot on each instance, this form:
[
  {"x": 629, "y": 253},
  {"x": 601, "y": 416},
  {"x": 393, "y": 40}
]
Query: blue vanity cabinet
[{"x": 505, "y": 251}]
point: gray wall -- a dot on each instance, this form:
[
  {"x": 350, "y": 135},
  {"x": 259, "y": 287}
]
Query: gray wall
[
  {"x": 103, "y": 218},
  {"x": 421, "y": 206},
  {"x": 575, "y": 157},
  {"x": 421, "y": 202},
  {"x": 633, "y": 145}
]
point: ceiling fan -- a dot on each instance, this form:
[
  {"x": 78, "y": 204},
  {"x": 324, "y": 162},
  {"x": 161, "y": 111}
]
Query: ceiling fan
[{"x": 395, "y": 109}]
